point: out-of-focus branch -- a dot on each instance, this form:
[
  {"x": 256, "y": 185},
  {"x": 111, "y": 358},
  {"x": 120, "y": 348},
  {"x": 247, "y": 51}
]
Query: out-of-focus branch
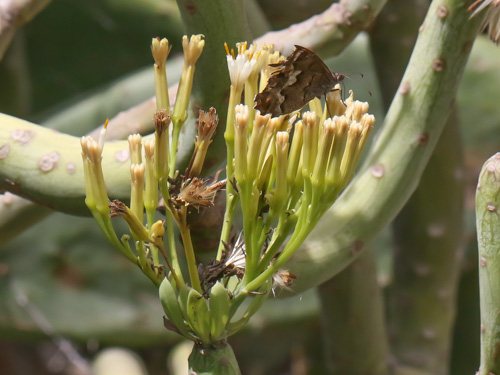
[
  {"x": 353, "y": 321},
  {"x": 330, "y": 31},
  {"x": 17, "y": 214},
  {"x": 392, "y": 39},
  {"x": 429, "y": 239},
  {"x": 428, "y": 231},
  {"x": 15, "y": 13}
]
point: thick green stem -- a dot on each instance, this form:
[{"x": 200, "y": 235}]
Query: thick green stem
[
  {"x": 213, "y": 360},
  {"x": 488, "y": 232},
  {"x": 353, "y": 321},
  {"x": 395, "y": 164},
  {"x": 428, "y": 230},
  {"x": 220, "y": 21},
  {"x": 429, "y": 236},
  {"x": 51, "y": 172}
]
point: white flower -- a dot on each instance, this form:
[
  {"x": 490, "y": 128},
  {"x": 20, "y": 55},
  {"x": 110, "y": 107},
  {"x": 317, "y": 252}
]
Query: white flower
[
  {"x": 241, "y": 66},
  {"x": 237, "y": 257}
]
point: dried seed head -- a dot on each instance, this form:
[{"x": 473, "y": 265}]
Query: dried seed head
[
  {"x": 162, "y": 121},
  {"x": 197, "y": 193},
  {"x": 207, "y": 124}
]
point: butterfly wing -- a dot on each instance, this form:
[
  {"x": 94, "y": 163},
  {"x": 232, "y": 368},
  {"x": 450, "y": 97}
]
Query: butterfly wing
[{"x": 300, "y": 78}]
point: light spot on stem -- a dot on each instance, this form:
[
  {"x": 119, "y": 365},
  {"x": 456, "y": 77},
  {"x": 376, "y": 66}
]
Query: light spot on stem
[
  {"x": 71, "y": 168},
  {"x": 122, "y": 155},
  {"x": 442, "y": 12},
  {"x": 378, "y": 170},
  {"x": 22, "y": 136},
  {"x": 4, "y": 151},
  {"x": 48, "y": 162}
]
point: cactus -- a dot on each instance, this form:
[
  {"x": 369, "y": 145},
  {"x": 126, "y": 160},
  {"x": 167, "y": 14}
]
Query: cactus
[{"x": 488, "y": 232}]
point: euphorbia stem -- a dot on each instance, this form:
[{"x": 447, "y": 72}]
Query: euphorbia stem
[{"x": 213, "y": 360}]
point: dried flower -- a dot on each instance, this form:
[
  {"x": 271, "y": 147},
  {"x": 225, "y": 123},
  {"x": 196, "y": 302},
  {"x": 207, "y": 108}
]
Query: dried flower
[
  {"x": 492, "y": 19},
  {"x": 162, "y": 121},
  {"x": 136, "y": 227},
  {"x": 196, "y": 192},
  {"x": 207, "y": 124}
]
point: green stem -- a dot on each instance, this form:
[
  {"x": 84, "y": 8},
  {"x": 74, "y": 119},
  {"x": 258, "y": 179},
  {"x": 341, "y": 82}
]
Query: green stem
[
  {"x": 303, "y": 228},
  {"x": 169, "y": 224},
  {"x": 189, "y": 251},
  {"x": 172, "y": 248},
  {"x": 428, "y": 231},
  {"x": 106, "y": 226},
  {"x": 285, "y": 226},
  {"x": 428, "y": 234},
  {"x": 353, "y": 328},
  {"x": 231, "y": 202},
  {"x": 213, "y": 360},
  {"x": 234, "y": 99},
  {"x": 172, "y": 158},
  {"x": 488, "y": 231}
]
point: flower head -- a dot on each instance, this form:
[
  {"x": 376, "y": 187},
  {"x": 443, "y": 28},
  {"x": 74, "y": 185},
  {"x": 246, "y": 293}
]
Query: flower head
[
  {"x": 96, "y": 194},
  {"x": 192, "y": 48},
  {"x": 242, "y": 65},
  {"x": 196, "y": 192},
  {"x": 160, "y": 50},
  {"x": 136, "y": 227}
]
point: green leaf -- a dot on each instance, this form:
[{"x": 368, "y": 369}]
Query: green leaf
[
  {"x": 171, "y": 307},
  {"x": 219, "y": 309},
  {"x": 198, "y": 315}
]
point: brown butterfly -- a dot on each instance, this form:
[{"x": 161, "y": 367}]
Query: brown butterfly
[{"x": 302, "y": 77}]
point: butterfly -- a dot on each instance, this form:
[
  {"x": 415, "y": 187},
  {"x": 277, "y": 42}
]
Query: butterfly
[{"x": 302, "y": 77}]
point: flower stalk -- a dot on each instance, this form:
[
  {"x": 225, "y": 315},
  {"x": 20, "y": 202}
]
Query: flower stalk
[
  {"x": 192, "y": 47},
  {"x": 160, "y": 48}
]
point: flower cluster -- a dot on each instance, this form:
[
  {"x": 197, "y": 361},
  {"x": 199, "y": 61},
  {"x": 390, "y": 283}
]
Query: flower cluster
[{"x": 282, "y": 172}]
